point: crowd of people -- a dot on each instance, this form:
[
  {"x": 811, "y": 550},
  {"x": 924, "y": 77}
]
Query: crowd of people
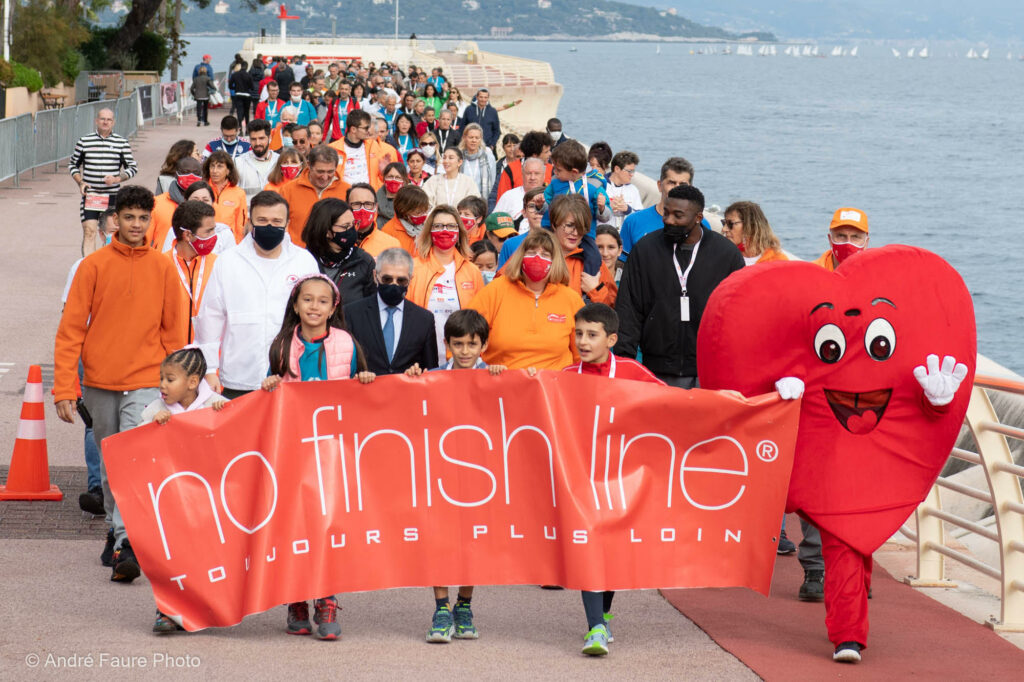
[{"x": 339, "y": 235}]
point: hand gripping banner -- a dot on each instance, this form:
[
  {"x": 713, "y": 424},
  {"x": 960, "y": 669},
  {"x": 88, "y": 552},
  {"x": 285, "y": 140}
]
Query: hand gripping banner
[{"x": 454, "y": 478}]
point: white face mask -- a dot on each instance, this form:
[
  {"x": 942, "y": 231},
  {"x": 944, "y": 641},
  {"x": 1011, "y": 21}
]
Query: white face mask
[
  {"x": 429, "y": 150},
  {"x": 556, "y": 135},
  {"x": 488, "y": 276},
  {"x": 296, "y": 100}
]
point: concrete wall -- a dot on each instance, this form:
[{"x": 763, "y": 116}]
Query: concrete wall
[{"x": 21, "y": 101}]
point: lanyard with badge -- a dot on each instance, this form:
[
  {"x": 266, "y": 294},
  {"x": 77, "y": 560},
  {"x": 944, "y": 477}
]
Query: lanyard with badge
[
  {"x": 193, "y": 293},
  {"x": 611, "y": 370},
  {"x": 684, "y": 300}
]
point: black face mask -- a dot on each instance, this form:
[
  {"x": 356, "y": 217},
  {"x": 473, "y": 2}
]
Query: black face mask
[
  {"x": 391, "y": 294},
  {"x": 267, "y": 237},
  {"x": 677, "y": 234},
  {"x": 346, "y": 239}
]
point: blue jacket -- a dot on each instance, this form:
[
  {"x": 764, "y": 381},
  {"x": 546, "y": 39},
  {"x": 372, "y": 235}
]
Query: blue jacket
[
  {"x": 594, "y": 188},
  {"x": 307, "y": 112},
  {"x": 489, "y": 122},
  {"x": 202, "y": 65}
]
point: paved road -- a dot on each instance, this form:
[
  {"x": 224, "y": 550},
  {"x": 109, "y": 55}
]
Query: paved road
[{"x": 58, "y": 600}]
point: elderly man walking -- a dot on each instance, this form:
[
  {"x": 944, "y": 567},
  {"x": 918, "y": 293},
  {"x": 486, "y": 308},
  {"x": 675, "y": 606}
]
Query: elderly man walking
[{"x": 101, "y": 161}]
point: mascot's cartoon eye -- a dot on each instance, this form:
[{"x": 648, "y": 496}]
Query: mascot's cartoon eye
[
  {"x": 829, "y": 343},
  {"x": 880, "y": 339}
]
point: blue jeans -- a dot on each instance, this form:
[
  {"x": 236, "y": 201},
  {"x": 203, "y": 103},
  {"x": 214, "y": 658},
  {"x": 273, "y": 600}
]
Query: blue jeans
[{"x": 92, "y": 460}]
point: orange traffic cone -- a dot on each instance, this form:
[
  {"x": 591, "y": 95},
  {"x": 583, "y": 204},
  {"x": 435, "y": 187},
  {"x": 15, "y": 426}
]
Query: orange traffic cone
[{"x": 29, "y": 475}]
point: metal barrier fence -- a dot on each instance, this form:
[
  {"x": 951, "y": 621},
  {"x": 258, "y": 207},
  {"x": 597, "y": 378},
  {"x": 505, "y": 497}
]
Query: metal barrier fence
[
  {"x": 47, "y": 137},
  {"x": 1004, "y": 494}
]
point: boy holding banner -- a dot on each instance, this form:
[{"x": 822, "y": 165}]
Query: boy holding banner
[
  {"x": 465, "y": 338},
  {"x": 597, "y": 328}
]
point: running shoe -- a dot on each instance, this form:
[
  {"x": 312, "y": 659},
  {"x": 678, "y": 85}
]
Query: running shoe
[
  {"x": 326, "y": 618},
  {"x": 596, "y": 642},
  {"x": 298, "y": 619},
  {"x": 164, "y": 625},
  {"x": 464, "y": 628},
  {"x": 786, "y": 545},
  {"x": 847, "y": 652},
  {"x": 107, "y": 557},
  {"x": 126, "y": 566},
  {"x": 442, "y": 627},
  {"x": 608, "y": 626}
]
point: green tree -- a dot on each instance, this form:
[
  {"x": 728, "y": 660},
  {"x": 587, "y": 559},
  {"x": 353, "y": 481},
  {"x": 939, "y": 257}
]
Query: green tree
[{"x": 46, "y": 36}]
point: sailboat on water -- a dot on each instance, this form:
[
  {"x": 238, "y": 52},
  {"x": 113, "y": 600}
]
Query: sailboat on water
[
  {"x": 971, "y": 54},
  {"x": 923, "y": 54},
  {"x": 853, "y": 52},
  {"x": 910, "y": 53},
  {"x": 895, "y": 53},
  {"x": 984, "y": 55}
]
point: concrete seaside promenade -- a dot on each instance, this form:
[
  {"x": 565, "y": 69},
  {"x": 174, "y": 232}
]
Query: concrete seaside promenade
[{"x": 58, "y": 600}]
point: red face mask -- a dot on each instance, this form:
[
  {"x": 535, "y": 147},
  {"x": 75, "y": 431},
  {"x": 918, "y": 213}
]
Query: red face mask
[
  {"x": 843, "y": 251},
  {"x": 469, "y": 222},
  {"x": 444, "y": 239},
  {"x": 184, "y": 181},
  {"x": 364, "y": 218},
  {"x": 204, "y": 247},
  {"x": 536, "y": 267},
  {"x": 742, "y": 247},
  {"x": 418, "y": 219},
  {"x": 290, "y": 172},
  {"x": 392, "y": 186}
]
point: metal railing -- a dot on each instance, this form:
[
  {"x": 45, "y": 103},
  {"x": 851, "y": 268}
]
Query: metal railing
[
  {"x": 500, "y": 74},
  {"x": 30, "y": 141},
  {"x": 1003, "y": 477}
]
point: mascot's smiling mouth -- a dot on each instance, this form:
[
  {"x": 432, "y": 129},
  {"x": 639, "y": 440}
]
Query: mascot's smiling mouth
[{"x": 859, "y": 413}]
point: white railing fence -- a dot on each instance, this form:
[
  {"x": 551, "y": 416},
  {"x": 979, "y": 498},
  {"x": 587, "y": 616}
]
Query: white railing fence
[{"x": 1004, "y": 495}]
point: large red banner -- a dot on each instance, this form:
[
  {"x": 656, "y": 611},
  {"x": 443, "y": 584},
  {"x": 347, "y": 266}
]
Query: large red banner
[{"x": 449, "y": 479}]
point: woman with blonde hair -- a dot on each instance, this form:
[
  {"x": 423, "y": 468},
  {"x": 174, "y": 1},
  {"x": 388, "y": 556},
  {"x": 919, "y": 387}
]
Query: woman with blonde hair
[
  {"x": 746, "y": 226},
  {"x": 444, "y": 278},
  {"x": 478, "y": 161},
  {"x": 531, "y": 308}
]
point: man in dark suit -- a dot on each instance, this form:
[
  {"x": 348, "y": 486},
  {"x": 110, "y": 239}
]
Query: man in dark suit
[
  {"x": 393, "y": 332},
  {"x": 447, "y": 137},
  {"x": 487, "y": 116}
]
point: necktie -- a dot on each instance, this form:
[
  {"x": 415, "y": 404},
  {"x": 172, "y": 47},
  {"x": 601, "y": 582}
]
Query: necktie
[{"x": 389, "y": 332}]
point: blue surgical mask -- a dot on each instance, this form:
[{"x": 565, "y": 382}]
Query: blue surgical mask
[
  {"x": 108, "y": 239},
  {"x": 488, "y": 277},
  {"x": 286, "y": 141}
]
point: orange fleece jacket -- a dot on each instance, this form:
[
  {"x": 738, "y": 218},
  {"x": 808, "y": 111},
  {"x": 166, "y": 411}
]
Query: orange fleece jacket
[
  {"x": 123, "y": 317},
  {"x": 827, "y": 261},
  {"x": 232, "y": 208},
  {"x": 376, "y": 151},
  {"x": 301, "y": 195},
  {"x": 468, "y": 280},
  {"x": 606, "y": 294},
  {"x": 377, "y": 241},
  {"x": 160, "y": 220},
  {"x": 527, "y": 331},
  {"x": 395, "y": 229}
]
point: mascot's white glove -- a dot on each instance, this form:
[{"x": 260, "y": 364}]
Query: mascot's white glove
[
  {"x": 789, "y": 388},
  {"x": 940, "y": 384}
]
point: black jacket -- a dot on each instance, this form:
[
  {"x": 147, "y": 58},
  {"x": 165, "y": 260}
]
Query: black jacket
[
  {"x": 354, "y": 276},
  {"x": 648, "y": 300},
  {"x": 417, "y": 342},
  {"x": 446, "y": 139},
  {"x": 241, "y": 83}
]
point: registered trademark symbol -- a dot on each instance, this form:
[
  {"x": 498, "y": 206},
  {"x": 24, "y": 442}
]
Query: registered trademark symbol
[{"x": 767, "y": 451}]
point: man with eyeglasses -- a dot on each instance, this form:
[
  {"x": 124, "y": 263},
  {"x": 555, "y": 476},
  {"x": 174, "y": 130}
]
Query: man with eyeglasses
[
  {"x": 393, "y": 332},
  {"x": 511, "y": 202},
  {"x": 624, "y": 197},
  {"x": 362, "y": 199},
  {"x": 244, "y": 302},
  {"x": 362, "y": 158},
  {"x": 847, "y": 235}
]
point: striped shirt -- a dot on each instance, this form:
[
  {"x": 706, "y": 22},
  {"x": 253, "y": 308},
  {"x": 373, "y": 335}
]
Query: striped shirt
[{"x": 96, "y": 157}]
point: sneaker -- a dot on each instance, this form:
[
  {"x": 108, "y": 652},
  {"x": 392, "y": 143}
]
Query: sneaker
[
  {"x": 442, "y": 626},
  {"x": 464, "y": 628},
  {"x": 92, "y": 501},
  {"x": 126, "y": 566},
  {"x": 786, "y": 545},
  {"x": 107, "y": 558},
  {"x": 325, "y": 616},
  {"x": 813, "y": 588},
  {"x": 608, "y": 626},
  {"x": 596, "y": 642},
  {"x": 847, "y": 652},
  {"x": 164, "y": 625},
  {"x": 298, "y": 619}
]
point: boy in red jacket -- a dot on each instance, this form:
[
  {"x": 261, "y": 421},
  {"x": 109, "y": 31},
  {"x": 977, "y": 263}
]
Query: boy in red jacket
[{"x": 597, "y": 327}]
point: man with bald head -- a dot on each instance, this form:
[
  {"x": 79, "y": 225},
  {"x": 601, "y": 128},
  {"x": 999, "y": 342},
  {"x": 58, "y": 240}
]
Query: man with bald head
[
  {"x": 511, "y": 202},
  {"x": 101, "y": 161}
]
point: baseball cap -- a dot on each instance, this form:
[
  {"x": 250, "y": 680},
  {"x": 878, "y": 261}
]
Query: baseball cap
[
  {"x": 501, "y": 225},
  {"x": 207, "y": 57},
  {"x": 849, "y": 217}
]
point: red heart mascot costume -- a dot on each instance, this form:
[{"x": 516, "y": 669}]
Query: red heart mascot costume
[{"x": 882, "y": 346}]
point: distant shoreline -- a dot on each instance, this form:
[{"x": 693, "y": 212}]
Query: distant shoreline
[{"x": 609, "y": 38}]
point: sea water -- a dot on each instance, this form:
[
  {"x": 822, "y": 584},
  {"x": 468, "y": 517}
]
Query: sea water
[{"x": 930, "y": 149}]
